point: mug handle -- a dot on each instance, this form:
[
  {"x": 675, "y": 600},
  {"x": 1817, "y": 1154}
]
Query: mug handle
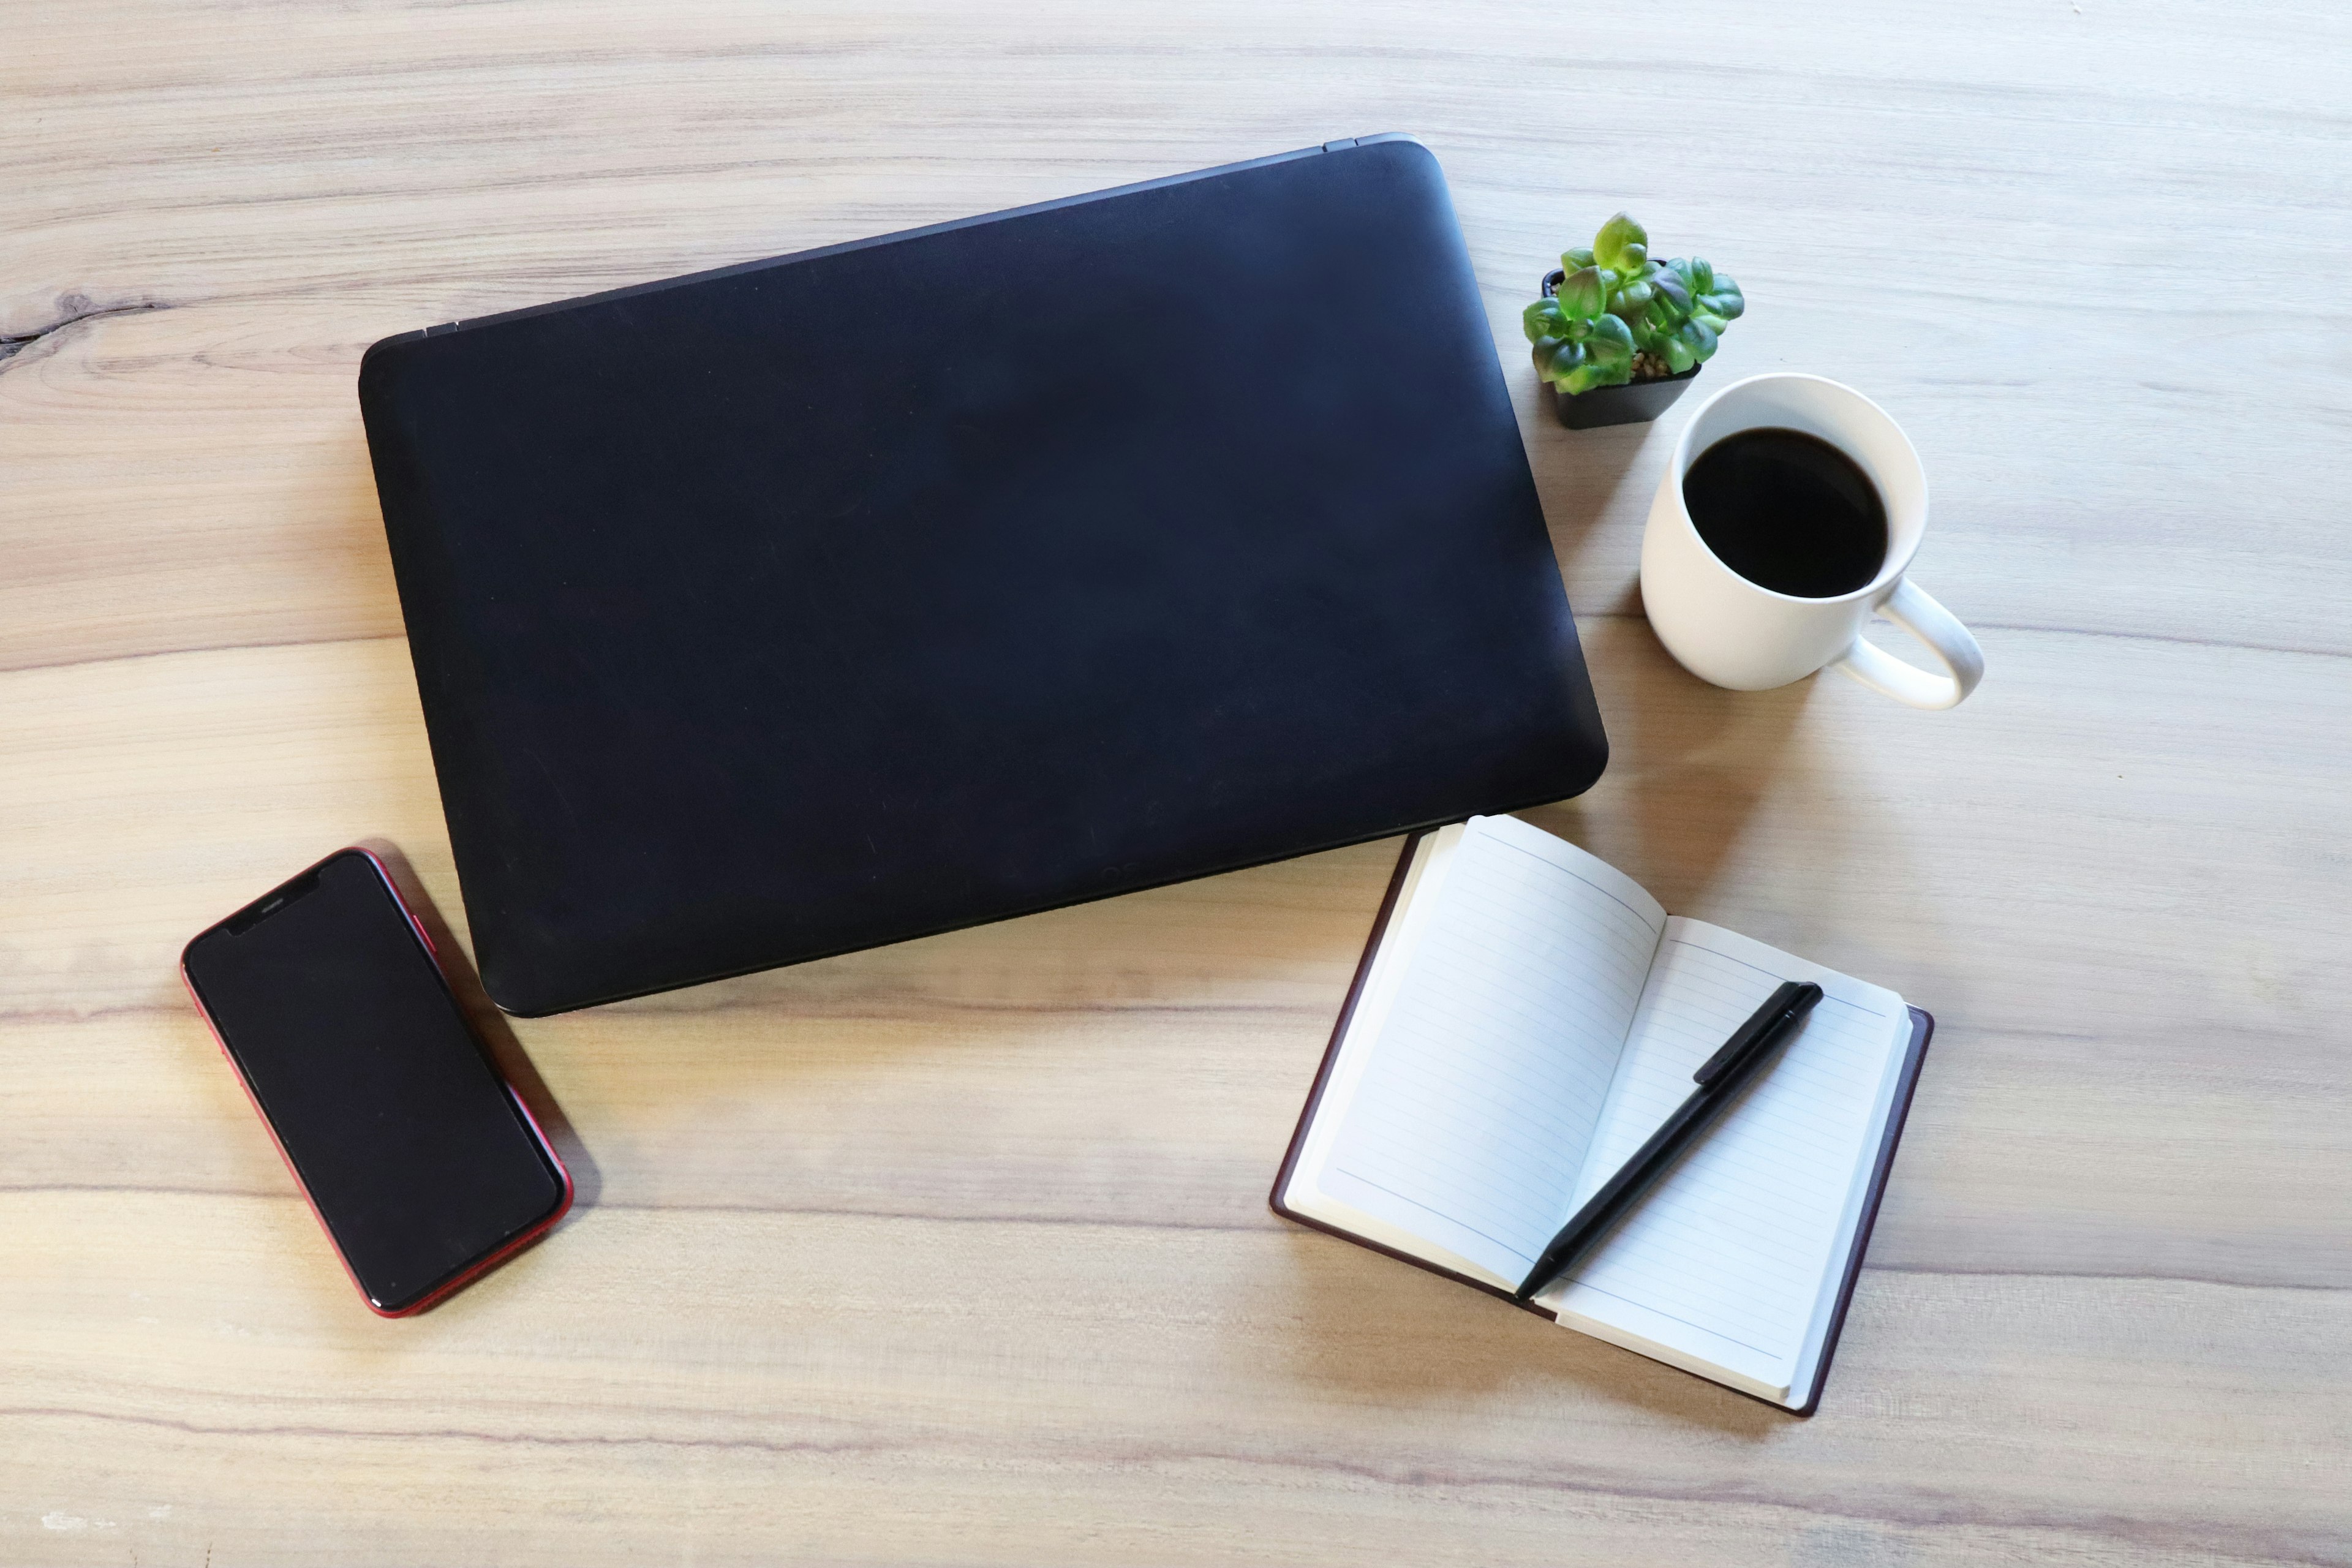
[{"x": 1911, "y": 607}]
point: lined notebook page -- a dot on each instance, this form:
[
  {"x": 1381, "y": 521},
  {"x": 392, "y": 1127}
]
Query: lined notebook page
[
  {"x": 1480, "y": 1093},
  {"x": 1725, "y": 1260}
]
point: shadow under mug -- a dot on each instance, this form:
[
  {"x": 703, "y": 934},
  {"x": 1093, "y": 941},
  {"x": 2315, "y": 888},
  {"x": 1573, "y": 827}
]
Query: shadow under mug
[{"x": 1734, "y": 632}]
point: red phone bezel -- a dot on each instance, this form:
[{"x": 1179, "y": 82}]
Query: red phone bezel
[{"x": 487, "y": 1261}]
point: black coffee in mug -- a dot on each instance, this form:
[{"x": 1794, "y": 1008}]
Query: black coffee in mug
[{"x": 1788, "y": 512}]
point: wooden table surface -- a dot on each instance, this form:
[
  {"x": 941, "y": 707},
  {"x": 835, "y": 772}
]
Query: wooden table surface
[{"x": 958, "y": 1251}]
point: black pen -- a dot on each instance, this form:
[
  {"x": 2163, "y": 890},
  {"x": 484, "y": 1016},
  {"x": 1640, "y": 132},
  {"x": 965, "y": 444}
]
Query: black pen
[{"x": 1720, "y": 1080}]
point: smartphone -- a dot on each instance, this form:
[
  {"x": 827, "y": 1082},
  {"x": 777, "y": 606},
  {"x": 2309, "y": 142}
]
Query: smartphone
[{"x": 417, "y": 1155}]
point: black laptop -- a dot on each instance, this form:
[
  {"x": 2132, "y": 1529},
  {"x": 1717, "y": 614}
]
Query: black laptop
[{"x": 834, "y": 599}]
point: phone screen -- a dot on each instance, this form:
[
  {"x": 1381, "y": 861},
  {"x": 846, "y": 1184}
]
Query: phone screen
[{"x": 411, "y": 1145}]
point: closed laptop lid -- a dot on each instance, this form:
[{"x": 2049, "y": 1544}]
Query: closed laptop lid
[{"x": 834, "y": 599}]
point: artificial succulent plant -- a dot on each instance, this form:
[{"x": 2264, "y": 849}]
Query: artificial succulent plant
[{"x": 1616, "y": 311}]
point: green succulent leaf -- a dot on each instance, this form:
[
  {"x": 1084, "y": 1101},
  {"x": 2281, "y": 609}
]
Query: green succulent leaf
[
  {"x": 1674, "y": 352},
  {"x": 1621, "y": 244},
  {"x": 1632, "y": 297},
  {"x": 1700, "y": 276},
  {"x": 1587, "y": 375},
  {"x": 1604, "y": 357},
  {"x": 1565, "y": 357},
  {"x": 1612, "y": 342},
  {"x": 1725, "y": 299},
  {"x": 1700, "y": 337},
  {"x": 1541, "y": 321},
  {"x": 1582, "y": 293},
  {"x": 1570, "y": 260},
  {"x": 1669, "y": 288}
]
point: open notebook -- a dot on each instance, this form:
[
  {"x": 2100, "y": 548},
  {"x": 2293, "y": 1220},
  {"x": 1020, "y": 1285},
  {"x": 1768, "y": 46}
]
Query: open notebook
[{"x": 1525, "y": 1016}]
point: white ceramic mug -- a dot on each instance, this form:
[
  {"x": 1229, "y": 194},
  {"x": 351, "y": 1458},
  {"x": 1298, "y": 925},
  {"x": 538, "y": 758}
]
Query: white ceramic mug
[{"x": 1739, "y": 634}]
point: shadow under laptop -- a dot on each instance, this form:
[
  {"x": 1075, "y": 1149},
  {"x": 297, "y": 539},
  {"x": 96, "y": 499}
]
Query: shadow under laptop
[
  {"x": 1385, "y": 1333},
  {"x": 1268, "y": 935},
  {"x": 1689, "y": 765},
  {"x": 1135, "y": 1062}
]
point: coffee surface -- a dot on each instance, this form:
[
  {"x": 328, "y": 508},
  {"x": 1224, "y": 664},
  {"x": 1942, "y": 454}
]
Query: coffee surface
[{"x": 1788, "y": 512}]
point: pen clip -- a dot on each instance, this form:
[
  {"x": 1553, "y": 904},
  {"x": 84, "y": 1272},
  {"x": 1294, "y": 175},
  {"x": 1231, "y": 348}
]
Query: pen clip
[{"x": 1761, "y": 1026}]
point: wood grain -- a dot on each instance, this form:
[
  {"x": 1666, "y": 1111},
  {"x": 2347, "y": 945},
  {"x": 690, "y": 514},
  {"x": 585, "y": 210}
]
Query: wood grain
[{"x": 957, "y": 1251}]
